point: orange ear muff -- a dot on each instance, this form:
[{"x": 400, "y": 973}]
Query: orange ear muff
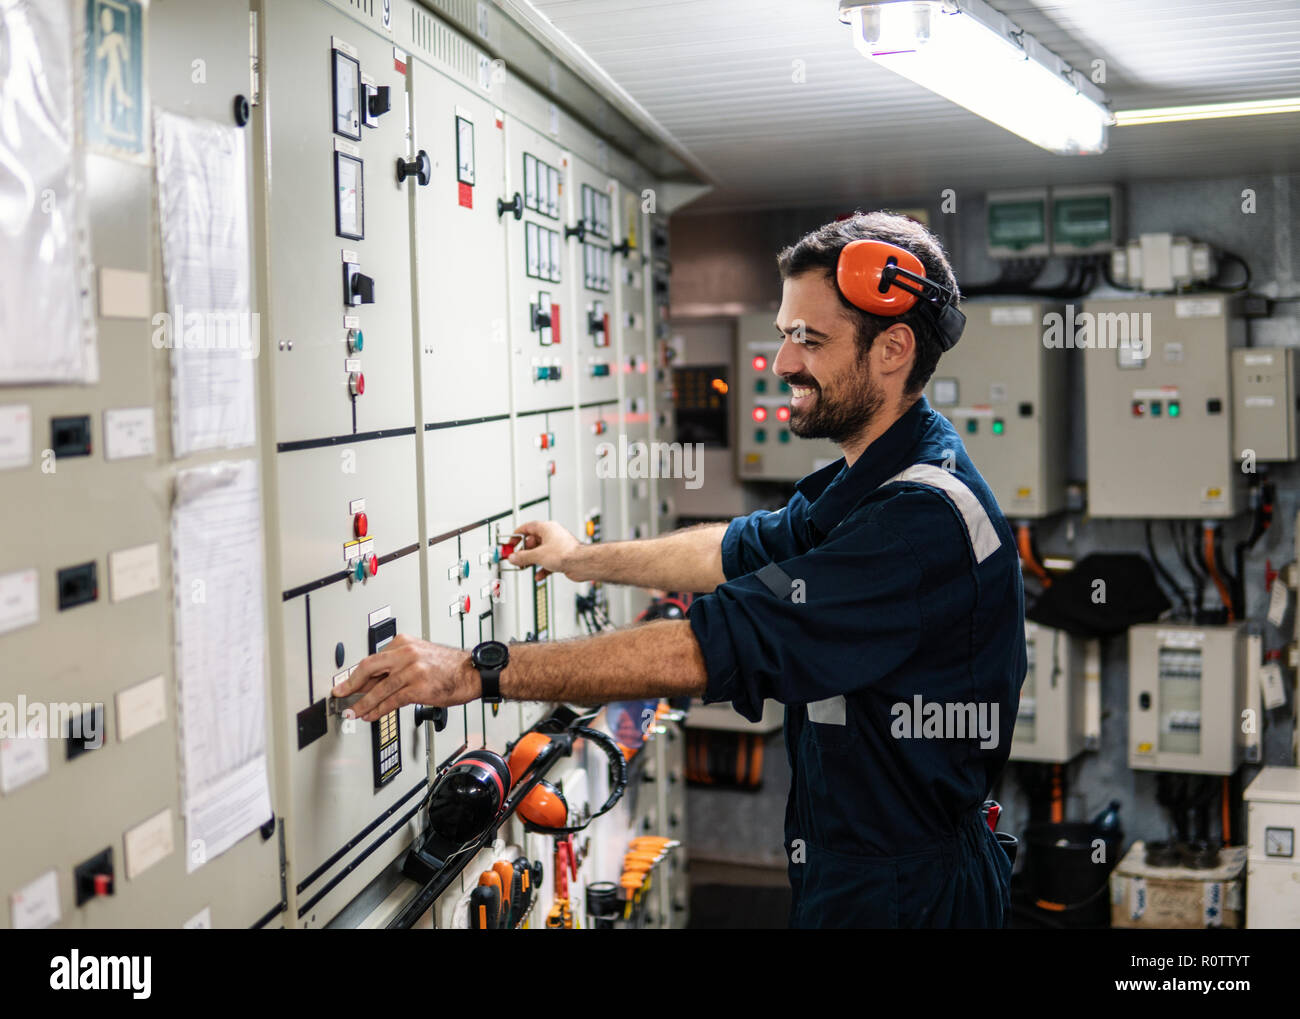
[
  {"x": 544, "y": 806},
  {"x": 525, "y": 752},
  {"x": 860, "y": 273}
]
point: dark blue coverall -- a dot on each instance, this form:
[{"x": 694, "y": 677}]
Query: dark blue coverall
[{"x": 863, "y": 594}]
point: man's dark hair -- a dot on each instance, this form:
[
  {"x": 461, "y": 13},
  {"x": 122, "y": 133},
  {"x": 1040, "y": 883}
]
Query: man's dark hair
[{"x": 819, "y": 251}]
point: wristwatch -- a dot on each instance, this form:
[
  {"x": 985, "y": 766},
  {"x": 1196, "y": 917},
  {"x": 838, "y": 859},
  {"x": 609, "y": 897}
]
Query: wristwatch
[{"x": 490, "y": 658}]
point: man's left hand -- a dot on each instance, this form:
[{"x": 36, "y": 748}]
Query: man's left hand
[{"x": 409, "y": 671}]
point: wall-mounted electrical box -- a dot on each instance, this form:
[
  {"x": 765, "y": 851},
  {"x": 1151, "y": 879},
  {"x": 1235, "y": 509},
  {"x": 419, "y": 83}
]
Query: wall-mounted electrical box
[
  {"x": 1188, "y": 687},
  {"x": 1159, "y": 405},
  {"x": 1004, "y": 392},
  {"x": 1051, "y": 725},
  {"x": 766, "y": 449},
  {"x": 1273, "y": 866},
  {"x": 1017, "y": 224},
  {"x": 1085, "y": 220},
  {"x": 1264, "y": 403}
]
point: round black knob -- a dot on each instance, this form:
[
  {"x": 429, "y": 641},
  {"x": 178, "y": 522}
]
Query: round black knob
[
  {"x": 515, "y": 205},
  {"x": 421, "y": 168},
  {"x": 426, "y": 713},
  {"x": 242, "y": 111}
]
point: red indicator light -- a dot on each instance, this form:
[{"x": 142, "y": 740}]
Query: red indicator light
[
  {"x": 760, "y": 413},
  {"x": 783, "y": 413},
  {"x": 760, "y": 363},
  {"x": 360, "y": 525}
]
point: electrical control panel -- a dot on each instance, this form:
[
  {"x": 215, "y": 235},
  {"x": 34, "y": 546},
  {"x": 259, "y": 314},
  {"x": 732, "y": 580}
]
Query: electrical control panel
[
  {"x": 1005, "y": 393},
  {"x": 449, "y": 276},
  {"x": 1052, "y": 721},
  {"x": 766, "y": 449},
  {"x": 1264, "y": 403},
  {"x": 1188, "y": 689},
  {"x": 99, "y": 615},
  {"x": 1273, "y": 867},
  {"x": 1159, "y": 404}
]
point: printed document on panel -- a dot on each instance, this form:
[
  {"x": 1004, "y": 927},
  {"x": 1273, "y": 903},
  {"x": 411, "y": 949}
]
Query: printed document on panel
[
  {"x": 46, "y": 331},
  {"x": 209, "y": 328},
  {"x": 220, "y": 657}
]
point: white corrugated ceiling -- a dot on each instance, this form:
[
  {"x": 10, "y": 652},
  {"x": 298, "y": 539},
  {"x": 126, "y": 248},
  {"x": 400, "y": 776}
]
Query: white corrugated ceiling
[{"x": 720, "y": 75}]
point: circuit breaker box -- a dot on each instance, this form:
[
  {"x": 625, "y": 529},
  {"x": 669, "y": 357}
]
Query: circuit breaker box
[
  {"x": 1264, "y": 403},
  {"x": 1003, "y": 390},
  {"x": 1051, "y": 725},
  {"x": 1159, "y": 404},
  {"x": 1187, "y": 691},
  {"x": 1273, "y": 866},
  {"x": 766, "y": 449}
]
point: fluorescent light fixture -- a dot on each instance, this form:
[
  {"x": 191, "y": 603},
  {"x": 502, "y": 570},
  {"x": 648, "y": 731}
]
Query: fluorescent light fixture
[
  {"x": 1208, "y": 111},
  {"x": 970, "y": 54}
]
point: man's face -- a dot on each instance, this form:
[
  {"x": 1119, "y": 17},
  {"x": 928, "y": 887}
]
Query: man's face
[{"x": 833, "y": 394}]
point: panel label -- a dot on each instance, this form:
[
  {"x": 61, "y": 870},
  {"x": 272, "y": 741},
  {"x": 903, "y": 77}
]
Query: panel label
[
  {"x": 19, "y": 604},
  {"x": 133, "y": 572},
  {"x": 128, "y": 432},
  {"x": 15, "y": 437},
  {"x": 148, "y": 843},
  {"x": 141, "y": 707}
]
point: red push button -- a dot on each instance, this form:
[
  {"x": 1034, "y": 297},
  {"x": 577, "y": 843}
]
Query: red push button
[
  {"x": 550, "y": 468},
  {"x": 372, "y": 565},
  {"x": 356, "y": 383},
  {"x": 360, "y": 526}
]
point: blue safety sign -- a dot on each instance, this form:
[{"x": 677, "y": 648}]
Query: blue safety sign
[{"x": 115, "y": 97}]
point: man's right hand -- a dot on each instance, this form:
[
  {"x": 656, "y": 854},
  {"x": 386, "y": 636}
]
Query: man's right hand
[{"x": 546, "y": 545}]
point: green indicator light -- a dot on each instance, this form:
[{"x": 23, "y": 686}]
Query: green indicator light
[
  {"x": 999, "y": 426},
  {"x": 1174, "y": 408},
  {"x": 760, "y": 386},
  {"x": 760, "y": 435},
  {"x": 972, "y": 425},
  {"x": 785, "y": 436}
]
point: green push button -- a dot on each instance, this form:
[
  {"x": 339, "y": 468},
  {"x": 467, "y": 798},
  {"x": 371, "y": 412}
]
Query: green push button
[
  {"x": 760, "y": 386},
  {"x": 760, "y": 434},
  {"x": 972, "y": 425},
  {"x": 785, "y": 436}
]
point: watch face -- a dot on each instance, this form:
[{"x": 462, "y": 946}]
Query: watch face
[{"x": 491, "y": 655}]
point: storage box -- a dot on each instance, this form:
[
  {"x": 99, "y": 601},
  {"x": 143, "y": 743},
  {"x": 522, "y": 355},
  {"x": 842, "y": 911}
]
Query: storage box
[{"x": 1168, "y": 898}]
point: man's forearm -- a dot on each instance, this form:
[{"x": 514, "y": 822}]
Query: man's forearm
[
  {"x": 686, "y": 560},
  {"x": 658, "y": 659}
]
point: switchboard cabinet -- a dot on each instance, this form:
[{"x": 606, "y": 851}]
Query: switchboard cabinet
[
  {"x": 1051, "y": 723},
  {"x": 1159, "y": 405},
  {"x": 1004, "y": 391},
  {"x": 1187, "y": 691}
]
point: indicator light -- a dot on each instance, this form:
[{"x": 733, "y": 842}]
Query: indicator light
[
  {"x": 372, "y": 565},
  {"x": 1139, "y": 408},
  {"x": 1155, "y": 408},
  {"x": 785, "y": 436},
  {"x": 972, "y": 426},
  {"x": 785, "y": 386},
  {"x": 356, "y": 384},
  {"x": 783, "y": 413},
  {"x": 760, "y": 386},
  {"x": 760, "y": 414},
  {"x": 1174, "y": 408},
  {"x": 760, "y": 363},
  {"x": 360, "y": 525},
  {"x": 760, "y": 434},
  {"x": 356, "y": 341},
  {"x": 999, "y": 426}
]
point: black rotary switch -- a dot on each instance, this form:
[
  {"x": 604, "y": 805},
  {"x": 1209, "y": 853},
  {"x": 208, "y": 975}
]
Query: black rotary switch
[
  {"x": 420, "y": 168},
  {"x": 426, "y": 713},
  {"x": 515, "y": 205}
]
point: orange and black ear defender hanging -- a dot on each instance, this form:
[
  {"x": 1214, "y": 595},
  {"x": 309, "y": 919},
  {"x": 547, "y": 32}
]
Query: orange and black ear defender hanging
[
  {"x": 884, "y": 279},
  {"x": 467, "y": 798},
  {"x": 544, "y": 809}
]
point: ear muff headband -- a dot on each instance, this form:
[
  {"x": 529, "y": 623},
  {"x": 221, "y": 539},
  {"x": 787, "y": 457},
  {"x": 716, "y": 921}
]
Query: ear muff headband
[
  {"x": 544, "y": 808},
  {"x": 884, "y": 279}
]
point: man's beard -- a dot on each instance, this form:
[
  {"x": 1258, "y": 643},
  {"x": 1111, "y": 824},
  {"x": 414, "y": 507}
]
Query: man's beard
[{"x": 841, "y": 415}]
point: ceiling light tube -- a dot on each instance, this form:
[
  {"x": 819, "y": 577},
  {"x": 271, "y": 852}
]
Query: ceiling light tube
[
  {"x": 970, "y": 54},
  {"x": 1207, "y": 111}
]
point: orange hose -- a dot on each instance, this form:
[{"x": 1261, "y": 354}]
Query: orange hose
[
  {"x": 1213, "y": 568},
  {"x": 1023, "y": 540},
  {"x": 1058, "y": 804}
]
